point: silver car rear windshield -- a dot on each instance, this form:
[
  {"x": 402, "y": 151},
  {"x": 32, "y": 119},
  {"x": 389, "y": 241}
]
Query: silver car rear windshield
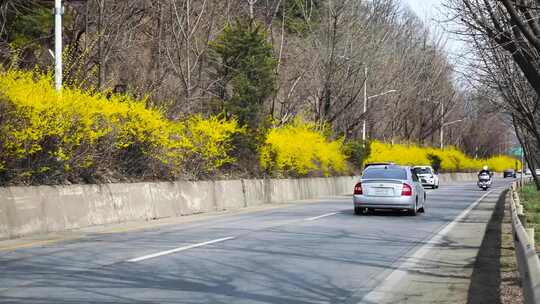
[
  {"x": 381, "y": 173},
  {"x": 422, "y": 170}
]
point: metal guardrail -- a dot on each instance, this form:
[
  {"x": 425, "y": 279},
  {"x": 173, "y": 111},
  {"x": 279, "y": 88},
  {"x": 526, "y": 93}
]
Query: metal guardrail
[{"x": 527, "y": 258}]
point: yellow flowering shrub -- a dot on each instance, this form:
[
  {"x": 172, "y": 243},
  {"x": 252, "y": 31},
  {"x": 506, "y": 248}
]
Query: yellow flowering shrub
[
  {"x": 299, "y": 148},
  {"x": 501, "y": 163},
  {"x": 209, "y": 141},
  {"x": 452, "y": 159},
  {"x": 47, "y": 136}
]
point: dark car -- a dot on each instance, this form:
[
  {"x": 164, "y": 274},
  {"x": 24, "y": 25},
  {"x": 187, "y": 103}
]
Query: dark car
[
  {"x": 379, "y": 164},
  {"x": 509, "y": 173}
]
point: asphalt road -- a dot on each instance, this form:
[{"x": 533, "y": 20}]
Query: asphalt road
[{"x": 318, "y": 252}]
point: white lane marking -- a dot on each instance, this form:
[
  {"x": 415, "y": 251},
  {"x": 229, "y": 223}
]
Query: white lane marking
[
  {"x": 321, "y": 216},
  {"x": 390, "y": 283},
  {"x": 162, "y": 253}
]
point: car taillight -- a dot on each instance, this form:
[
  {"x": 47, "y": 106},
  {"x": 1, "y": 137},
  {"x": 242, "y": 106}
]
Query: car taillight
[
  {"x": 358, "y": 188},
  {"x": 406, "y": 190}
]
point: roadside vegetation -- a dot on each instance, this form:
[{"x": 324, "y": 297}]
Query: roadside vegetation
[
  {"x": 194, "y": 89},
  {"x": 530, "y": 198},
  {"x": 82, "y": 136},
  {"x": 298, "y": 148},
  {"x": 449, "y": 159}
]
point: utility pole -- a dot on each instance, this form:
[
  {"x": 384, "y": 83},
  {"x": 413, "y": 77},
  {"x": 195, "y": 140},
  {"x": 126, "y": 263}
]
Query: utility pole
[
  {"x": 365, "y": 107},
  {"x": 366, "y": 98},
  {"x": 58, "y": 10},
  {"x": 442, "y": 125},
  {"x": 251, "y": 13},
  {"x": 101, "y": 52}
]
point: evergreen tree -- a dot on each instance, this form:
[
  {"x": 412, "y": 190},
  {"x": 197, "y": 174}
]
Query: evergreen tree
[
  {"x": 300, "y": 15},
  {"x": 245, "y": 68}
]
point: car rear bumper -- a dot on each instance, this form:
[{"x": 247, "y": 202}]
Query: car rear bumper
[
  {"x": 428, "y": 181},
  {"x": 383, "y": 202}
]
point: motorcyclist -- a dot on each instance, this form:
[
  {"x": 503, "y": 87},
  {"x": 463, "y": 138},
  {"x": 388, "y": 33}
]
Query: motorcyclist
[{"x": 485, "y": 169}]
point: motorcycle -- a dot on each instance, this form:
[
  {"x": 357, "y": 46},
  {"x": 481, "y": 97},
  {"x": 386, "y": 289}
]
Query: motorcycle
[{"x": 484, "y": 181}]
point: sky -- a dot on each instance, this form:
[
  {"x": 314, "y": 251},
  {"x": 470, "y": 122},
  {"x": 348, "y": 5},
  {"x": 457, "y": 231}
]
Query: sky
[
  {"x": 432, "y": 11},
  {"x": 425, "y": 8}
]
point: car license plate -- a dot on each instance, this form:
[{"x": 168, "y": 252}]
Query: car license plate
[{"x": 383, "y": 192}]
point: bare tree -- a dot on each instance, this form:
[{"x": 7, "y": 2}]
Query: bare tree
[{"x": 505, "y": 36}]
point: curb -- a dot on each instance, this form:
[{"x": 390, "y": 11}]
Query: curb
[{"x": 527, "y": 258}]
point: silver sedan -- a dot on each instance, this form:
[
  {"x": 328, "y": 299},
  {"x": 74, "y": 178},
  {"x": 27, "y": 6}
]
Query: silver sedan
[{"x": 389, "y": 187}]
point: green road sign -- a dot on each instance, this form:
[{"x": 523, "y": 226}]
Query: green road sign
[{"x": 516, "y": 151}]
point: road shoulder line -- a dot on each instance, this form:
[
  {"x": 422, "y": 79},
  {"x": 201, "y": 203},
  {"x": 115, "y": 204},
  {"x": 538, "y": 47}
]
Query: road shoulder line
[
  {"x": 321, "y": 216},
  {"x": 380, "y": 293},
  {"x": 167, "y": 252}
]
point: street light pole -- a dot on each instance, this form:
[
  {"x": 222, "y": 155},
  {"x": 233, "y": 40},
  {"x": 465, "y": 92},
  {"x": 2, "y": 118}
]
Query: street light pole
[
  {"x": 366, "y": 98},
  {"x": 442, "y": 125},
  {"x": 58, "y": 10},
  {"x": 365, "y": 107},
  {"x": 447, "y": 124},
  {"x": 382, "y": 94}
]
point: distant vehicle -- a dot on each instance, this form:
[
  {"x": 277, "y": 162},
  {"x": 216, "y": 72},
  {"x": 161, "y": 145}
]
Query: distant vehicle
[
  {"x": 509, "y": 173},
  {"x": 528, "y": 172},
  {"x": 389, "y": 187},
  {"x": 378, "y": 164},
  {"x": 484, "y": 181},
  {"x": 427, "y": 176}
]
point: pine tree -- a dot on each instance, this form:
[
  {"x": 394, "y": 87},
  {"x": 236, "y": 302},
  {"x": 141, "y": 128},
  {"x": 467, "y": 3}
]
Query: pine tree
[{"x": 245, "y": 68}]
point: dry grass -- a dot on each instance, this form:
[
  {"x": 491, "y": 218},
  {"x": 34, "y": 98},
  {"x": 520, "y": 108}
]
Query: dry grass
[
  {"x": 530, "y": 198},
  {"x": 510, "y": 286}
]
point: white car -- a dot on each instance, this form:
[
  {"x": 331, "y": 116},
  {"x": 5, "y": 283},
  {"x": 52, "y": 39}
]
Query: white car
[
  {"x": 389, "y": 187},
  {"x": 528, "y": 172},
  {"x": 427, "y": 176}
]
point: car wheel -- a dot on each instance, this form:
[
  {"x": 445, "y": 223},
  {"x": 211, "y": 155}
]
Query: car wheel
[
  {"x": 413, "y": 211},
  {"x": 357, "y": 210}
]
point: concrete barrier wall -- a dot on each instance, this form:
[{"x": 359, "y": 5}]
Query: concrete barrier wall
[
  {"x": 35, "y": 210},
  {"x": 452, "y": 177}
]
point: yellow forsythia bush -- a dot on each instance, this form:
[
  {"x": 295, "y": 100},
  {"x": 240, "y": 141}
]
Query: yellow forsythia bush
[
  {"x": 208, "y": 141},
  {"x": 452, "y": 159},
  {"x": 50, "y": 137},
  {"x": 500, "y": 163},
  {"x": 299, "y": 148}
]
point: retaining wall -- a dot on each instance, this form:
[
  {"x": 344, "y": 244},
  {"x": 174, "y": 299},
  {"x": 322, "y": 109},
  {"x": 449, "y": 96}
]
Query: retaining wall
[{"x": 42, "y": 209}]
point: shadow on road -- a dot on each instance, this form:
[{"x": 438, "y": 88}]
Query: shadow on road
[{"x": 486, "y": 276}]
